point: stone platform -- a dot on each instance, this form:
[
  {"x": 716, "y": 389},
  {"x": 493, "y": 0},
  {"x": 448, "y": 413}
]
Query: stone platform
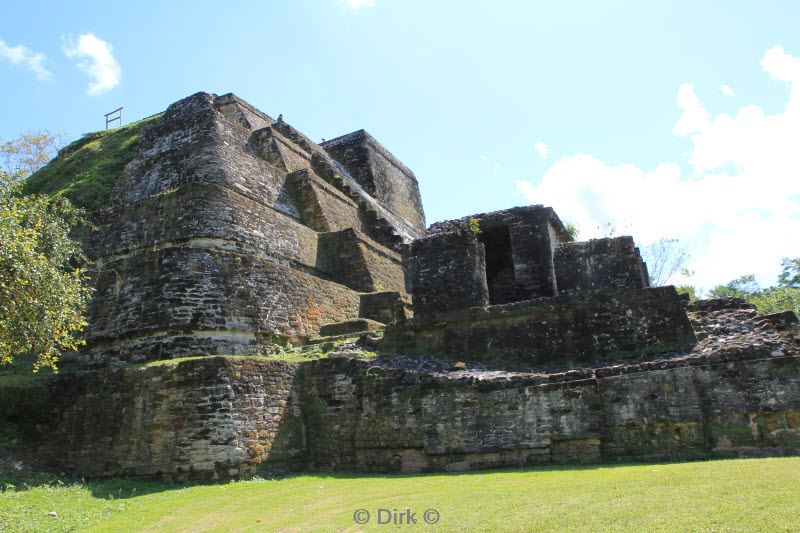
[{"x": 737, "y": 393}]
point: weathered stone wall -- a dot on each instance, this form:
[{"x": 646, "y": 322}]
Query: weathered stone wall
[
  {"x": 323, "y": 207},
  {"x": 385, "y": 307},
  {"x": 224, "y": 218},
  {"x": 507, "y": 288},
  {"x": 209, "y": 299},
  {"x": 371, "y": 418},
  {"x": 195, "y": 144},
  {"x": 211, "y": 243},
  {"x": 216, "y": 417},
  {"x": 599, "y": 264},
  {"x": 445, "y": 272},
  {"x": 380, "y": 174},
  {"x": 354, "y": 261},
  {"x": 583, "y": 328},
  {"x": 533, "y": 233}
]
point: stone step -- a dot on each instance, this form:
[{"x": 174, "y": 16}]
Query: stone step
[
  {"x": 358, "y": 336},
  {"x": 355, "y": 325}
]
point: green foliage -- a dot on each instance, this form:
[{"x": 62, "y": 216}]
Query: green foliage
[
  {"x": 29, "y": 152},
  {"x": 19, "y": 375},
  {"x": 742, "y": 287},
  {"x": 42, "y": 292},
  {"x": 687, "y": 289},
  {"x": 475, "y": 225},
  {"x": 85, "y": 170},
  {"x": 784, "y": 296},
  {"x": 776, "y": 299},
  {"x": 689, "y": 496},
  {"x": 10, "y": 436},
  {"x": 572, "y": 231},
  {"x": 790, "y": 273}
]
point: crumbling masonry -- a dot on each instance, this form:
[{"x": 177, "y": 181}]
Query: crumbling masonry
[
  {"x": 230, "y": 231},
  {"x": 505, "y": 343}
]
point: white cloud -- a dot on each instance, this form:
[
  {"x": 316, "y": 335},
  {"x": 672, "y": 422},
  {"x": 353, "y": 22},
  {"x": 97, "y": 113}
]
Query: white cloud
[
  {"x": 542, "y": 149},
  {"x": 694, "y": 116},
  {"x": 738, "y": 210},
  {"x": 95, "y": 58},
  {"x": 727, "y": 90},
  {"x": 358, "y": 4},
  {"x": 22, "y": 55},
  {"x": 484, "y": 157}
]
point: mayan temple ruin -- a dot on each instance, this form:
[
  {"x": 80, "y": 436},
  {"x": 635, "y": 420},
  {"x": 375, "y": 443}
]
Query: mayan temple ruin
[{"x": 265, "y": 303}]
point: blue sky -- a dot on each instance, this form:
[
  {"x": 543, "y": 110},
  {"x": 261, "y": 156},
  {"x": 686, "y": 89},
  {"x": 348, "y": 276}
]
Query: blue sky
[{"x": 608, "y": 111}]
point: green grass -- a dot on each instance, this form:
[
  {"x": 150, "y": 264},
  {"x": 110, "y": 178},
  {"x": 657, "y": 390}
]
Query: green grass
[
  {"x": 86, "y": 170},
  {"x": 287, "y": 354},
  {"x": 282, "y": 356},
  {"x": 724, "y": 495}
]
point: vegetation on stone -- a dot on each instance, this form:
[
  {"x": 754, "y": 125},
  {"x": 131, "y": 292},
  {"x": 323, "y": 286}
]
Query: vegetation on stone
[
  {"x": 572, "y": 231},
  {"x": 86, "y": 169},
  {"x": 475, "y": 225}
]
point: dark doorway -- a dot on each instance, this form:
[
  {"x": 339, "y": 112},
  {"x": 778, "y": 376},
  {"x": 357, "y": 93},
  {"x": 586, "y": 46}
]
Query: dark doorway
[{"x": 499, "y": 265}]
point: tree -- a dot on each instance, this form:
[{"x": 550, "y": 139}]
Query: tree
[
  {"x": 776, "y": 299},
  {"x": 790, "y": 273},
  {"x": 664, "y": 259},
  {"x": 742, "y": 287},
  {"x": 29, "y": 152},
  {"x": 43, "y": 294},
  {"x": 782, "y": 297},
  {"x": 687, "y": 289}
]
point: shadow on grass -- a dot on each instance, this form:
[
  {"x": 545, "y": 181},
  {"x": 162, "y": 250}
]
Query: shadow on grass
[
  {"x": 108, "y": 489},
  {"x": 123, "y": 488}
]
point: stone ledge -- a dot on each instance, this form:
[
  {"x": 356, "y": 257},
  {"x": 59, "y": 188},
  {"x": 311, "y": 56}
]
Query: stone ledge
[{"x": 349, "y": 327}]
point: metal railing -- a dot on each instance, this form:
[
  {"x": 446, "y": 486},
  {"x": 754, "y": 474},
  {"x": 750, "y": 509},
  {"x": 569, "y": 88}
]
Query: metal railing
[{"x": 118, "y": 117}]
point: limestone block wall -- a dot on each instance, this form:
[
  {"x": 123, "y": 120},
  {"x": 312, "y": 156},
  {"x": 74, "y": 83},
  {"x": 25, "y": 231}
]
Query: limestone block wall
[
  {"x": 206, "y": 215},
  {"x": 585, "y": 328},
  {"x": 380, "y": 173},
  {"x": 377, "y": 419},
  {"x": 355, "y": 261},
  {"x": 524, "y": 237},
  {"x": 222, "y": 417},
  {"x": 446, "y": 272},
  {"x": 599, "y": 264},
  {"x": 210, "y": 300},
  {"x": 207, "y": 418},
  {"x": 210, "y": 246},
  {"x": 386, "y": 307}
]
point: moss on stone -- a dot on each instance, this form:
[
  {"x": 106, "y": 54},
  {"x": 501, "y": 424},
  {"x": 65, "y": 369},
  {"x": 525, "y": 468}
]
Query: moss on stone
[
  {"x": 86, "y": 170},
  {"x": 739, "y": 434},
  {"x": 790, "y": 440},
  {"x": 410, "y": 392},
  {"x": 312, "y": 411}
]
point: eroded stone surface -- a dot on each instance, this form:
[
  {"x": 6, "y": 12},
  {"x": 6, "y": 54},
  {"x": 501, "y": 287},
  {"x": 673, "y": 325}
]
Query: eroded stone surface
[
  {"x": 509, "y": 287},
  {"x": 229, "y": 231},
  {"x": 737, "y": 393}
]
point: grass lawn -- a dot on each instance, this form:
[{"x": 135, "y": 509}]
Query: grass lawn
[{"x": 724, "y": 495}]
